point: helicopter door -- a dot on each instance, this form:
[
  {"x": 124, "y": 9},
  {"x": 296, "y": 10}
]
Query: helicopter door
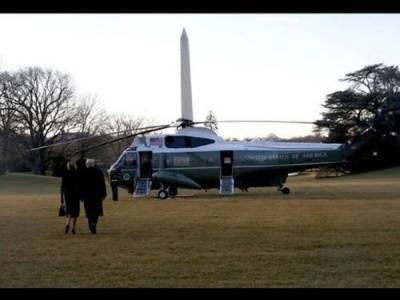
[
  {"x": 227, "y": 182},
  {"x": 145, "y": 170},
  {"x": 145, "y": 167}
]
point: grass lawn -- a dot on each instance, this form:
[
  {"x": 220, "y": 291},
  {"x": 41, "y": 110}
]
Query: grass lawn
[{"x": 336, "y": 232}]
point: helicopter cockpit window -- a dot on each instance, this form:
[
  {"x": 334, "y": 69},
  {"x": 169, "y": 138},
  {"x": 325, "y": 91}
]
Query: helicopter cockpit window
[
  {"x": 130, "y": 160},
  {"x": 186, "y": 141}
]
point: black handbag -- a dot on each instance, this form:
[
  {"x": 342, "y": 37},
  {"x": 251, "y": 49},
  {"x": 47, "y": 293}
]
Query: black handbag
[{"x": 61, "y": 211}]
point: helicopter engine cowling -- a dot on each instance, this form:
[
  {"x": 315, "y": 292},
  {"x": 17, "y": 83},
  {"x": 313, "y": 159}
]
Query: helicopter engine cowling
[{"x": 176, "y": 179}]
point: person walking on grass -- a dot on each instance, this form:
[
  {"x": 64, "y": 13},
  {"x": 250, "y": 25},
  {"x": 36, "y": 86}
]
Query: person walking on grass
[
  {"x": 80, "y": 174},
  {"x": 93, "y": 191},
  {"x": 69, "y": 197}
]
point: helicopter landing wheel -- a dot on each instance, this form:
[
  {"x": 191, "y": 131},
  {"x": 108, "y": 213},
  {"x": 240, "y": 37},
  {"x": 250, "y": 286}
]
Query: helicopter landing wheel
[
  {"x": 285, "y": 190},
  {"x": 163, "y": 194}
]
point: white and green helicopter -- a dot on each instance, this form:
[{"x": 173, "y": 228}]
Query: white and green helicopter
[{"x": 197, "y": 158}]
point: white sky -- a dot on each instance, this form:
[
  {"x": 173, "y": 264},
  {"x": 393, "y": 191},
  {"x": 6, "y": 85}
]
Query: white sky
[{"x": 244, "y": 66}]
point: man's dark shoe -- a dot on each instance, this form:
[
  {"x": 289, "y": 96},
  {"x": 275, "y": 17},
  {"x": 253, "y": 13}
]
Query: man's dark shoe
[
  {"x": 66, "y": 229},
  {"x": 92, "y": 228}
]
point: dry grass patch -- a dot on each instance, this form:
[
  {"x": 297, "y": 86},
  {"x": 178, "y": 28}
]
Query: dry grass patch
[{"x": 340, "y": 232}]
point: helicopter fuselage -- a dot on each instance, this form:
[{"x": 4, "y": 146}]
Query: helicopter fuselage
[{"x": 201, "y": 159}]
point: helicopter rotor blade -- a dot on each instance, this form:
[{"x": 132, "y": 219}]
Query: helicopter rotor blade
[
  {"x": 122, "y": 138},
  {"x": 258, "y": 121},
  {"x": 90, "y": 137}
]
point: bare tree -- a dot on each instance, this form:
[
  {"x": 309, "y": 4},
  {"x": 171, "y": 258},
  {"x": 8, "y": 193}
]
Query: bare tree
[
  {"x": 122, "y": 124},
  {"x": 8, "y": 124},
  {"x": 43, "y": 103},
  {"x": 89, "y": 128},
  {"x": 90, "y": 117},
  {"x": 90, "y": 121}
]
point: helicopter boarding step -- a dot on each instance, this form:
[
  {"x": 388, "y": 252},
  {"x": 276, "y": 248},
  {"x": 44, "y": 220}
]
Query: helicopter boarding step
[
  {"x": 143, "y": 187},
  {"x": 226, "y": 185}
]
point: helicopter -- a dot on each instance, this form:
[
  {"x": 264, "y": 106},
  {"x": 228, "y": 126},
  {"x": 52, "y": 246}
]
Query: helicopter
[{"x": 195, "y": 157}]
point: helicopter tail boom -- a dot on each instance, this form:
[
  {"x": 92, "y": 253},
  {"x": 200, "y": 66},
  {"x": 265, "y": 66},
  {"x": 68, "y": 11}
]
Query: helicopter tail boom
[{"x": 354, "y": 147}]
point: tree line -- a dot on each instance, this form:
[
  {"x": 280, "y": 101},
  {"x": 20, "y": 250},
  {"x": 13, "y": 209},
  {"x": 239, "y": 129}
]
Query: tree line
[{"x": 40, "y": 107}]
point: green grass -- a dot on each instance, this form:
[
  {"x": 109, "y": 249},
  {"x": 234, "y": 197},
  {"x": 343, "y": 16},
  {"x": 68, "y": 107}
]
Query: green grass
[
  {"x": 336, "y": 232},
  {"x": 25, "y": 183}
]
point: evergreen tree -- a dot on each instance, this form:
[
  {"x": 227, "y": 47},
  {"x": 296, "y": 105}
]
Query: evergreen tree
[
  {"x": 372, "y": 100},
  {"x": 211, "y": 121}
]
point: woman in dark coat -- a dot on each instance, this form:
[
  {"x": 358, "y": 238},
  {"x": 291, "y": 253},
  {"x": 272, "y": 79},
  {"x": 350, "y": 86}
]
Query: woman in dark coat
[
  {"x": 69, "y": 197},
  {"x": 93, "y": 191}
]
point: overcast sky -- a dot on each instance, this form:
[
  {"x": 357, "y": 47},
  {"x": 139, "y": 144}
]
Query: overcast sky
[{"x": 244, "y": 66}]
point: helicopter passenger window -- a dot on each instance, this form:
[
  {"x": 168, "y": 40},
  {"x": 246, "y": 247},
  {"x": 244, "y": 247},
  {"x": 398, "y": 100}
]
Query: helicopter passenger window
[
  {"x": 175, "y": 142},
  {"x": 186, "y": 141},
  {"x": 130, "y": 160},
  {"x": 197, "y": 142}
]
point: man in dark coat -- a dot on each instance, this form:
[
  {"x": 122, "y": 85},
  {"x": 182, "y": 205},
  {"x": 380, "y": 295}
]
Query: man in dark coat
[{"x": 93, "y": 191}]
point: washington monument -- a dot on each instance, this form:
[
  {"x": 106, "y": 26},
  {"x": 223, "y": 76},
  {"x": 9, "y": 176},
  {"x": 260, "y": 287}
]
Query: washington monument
[{"x": 186, "y": 88}]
